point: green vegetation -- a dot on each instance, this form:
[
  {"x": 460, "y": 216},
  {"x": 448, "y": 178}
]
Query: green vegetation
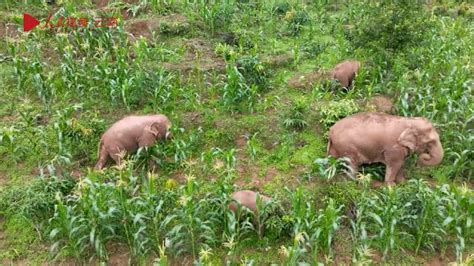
[{"x": 219, "y": 70}]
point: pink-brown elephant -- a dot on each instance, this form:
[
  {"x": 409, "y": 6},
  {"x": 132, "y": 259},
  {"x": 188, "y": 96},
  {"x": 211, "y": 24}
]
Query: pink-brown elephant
[
  {"x": 376, "y": 137},
  {"x": 131, "y": 133},
  {"x": 247, "y": 199},
  {"x": 345, "y": 72}
]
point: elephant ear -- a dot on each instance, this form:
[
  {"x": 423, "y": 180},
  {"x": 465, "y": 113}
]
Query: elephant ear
[
  {"x": 155, "y": 129},
  {"x": 408, "y": 139}
]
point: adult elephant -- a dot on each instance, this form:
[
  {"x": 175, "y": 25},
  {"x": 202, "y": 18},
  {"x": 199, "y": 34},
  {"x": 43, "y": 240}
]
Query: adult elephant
[
  {"x": 131, "y": 133},
  {"x": 376, "y": 137}
]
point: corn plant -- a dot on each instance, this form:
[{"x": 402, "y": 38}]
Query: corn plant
[
  {"x": 253, "y": 71},
  {"x": 385, "y": 215},
  {"x": 228, "y": 158},
  {"x": 428, "y": 213},
  {"x": 10, "y": 143},
  {"x": 296, "y": 19},
  {"x": 360, "y": 239},
  {"x": 69, "y": 230},
  {"x": 191, "y": 230},
  {"x": 236, "y": 93},
  {"x": 328, "y": 167},
  {"x": 327, "y": 223},
  {"x": 236, "y": 227},
  {"x": 216, "y": 15},
  {"x": 252, "y": 146},
  {"x": 294, "y": 253},
  {"x": 266, "y": 210},
  {"x": 458, "y": 220}
]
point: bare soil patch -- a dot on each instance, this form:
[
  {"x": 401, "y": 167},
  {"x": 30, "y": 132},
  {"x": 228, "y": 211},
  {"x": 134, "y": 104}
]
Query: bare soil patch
[
  {"x": 306, "y": 80},
  {"x": 191, "y": 120},
  {"x": 381, "y": 103},
  {"x": 199, "y": 56},
  {"x": 278, "y": 60},
  {"x": 8, "y": 30},
  {"x": 143, "y": 28},
  {"x": 3, "y": 180},
  {"x": 248, "y": 173},
  {"x": 100, "y": 3},
  {"x": 173, "y": 23},
  {"x": 7, "y": 118}
]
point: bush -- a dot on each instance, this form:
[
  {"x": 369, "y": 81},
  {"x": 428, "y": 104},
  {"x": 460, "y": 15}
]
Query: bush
[
  {"x": 332, "y": 112},
  {"x": 391, "y": 25},
  {"x": 296, "y": 19},
  {"x": 295, "y": 117}
]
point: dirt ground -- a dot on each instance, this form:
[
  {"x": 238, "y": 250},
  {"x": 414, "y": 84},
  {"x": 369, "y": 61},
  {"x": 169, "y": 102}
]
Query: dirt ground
[
  {"x": 9, "y": 30},
  {"x": 305, "y": 80},
  {"x": 199, "y": 56},
  {"x": 381, "y": 103}
]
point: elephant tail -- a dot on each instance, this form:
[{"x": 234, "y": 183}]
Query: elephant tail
[
  {"x": 330, "y": 149},
  {"x": 99, "y": 147},
  {"x": 101, "y": 156}
]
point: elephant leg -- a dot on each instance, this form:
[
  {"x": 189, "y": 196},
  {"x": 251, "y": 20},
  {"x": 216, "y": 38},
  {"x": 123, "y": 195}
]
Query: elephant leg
[
  {"x": 354, "y": 167},
  {"x": 117, "y": 158},
  {"x": 394, "y": 160},
  {"x": 103, "y": 157},
  {"x": 117, "y": 153},
  {"x": 400, "y": 176}
]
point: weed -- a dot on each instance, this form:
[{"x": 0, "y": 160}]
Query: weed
[{"x": 295, "y": 119}]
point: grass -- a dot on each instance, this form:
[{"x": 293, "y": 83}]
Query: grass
[{"x": 220, "y": 72}]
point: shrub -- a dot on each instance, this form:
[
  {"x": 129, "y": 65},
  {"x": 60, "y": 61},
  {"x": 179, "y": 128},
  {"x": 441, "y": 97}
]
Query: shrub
[
  {"x": 332, "y": 112},
  {"x": 253, "y": 71},
  {"x": 296, "y": 19},
  {"x": 389, "y": 25},
  {"x": 295, "y": 117}
]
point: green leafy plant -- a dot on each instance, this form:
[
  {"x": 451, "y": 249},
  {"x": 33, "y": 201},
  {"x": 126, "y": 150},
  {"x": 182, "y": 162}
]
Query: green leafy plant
[
  {"x": 332, "y": 112},
  {"x": 328, "y": 167},
  {"x": 296, "y": 19},
  {"x": 253, "y": 71},
  {"x": 295, "y": 119}
]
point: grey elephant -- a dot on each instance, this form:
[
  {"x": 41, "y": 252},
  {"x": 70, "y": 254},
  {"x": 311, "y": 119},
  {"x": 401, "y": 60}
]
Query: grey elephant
[
  {"x": 376, "y": 137},
  {"x": 131, "y": 133},
  {"x": 345, "y": 72}
]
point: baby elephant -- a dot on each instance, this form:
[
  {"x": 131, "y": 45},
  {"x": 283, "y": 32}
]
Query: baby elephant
[
  {"x": 248, "y": 199},
  {"x": 345, "y": 72},
  {"x": 376, "y": 137},
  {"x": 131, "y": 133}
]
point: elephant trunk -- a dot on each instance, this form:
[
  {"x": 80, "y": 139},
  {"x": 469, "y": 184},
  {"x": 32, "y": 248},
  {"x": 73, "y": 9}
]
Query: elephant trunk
[{"x": 433, "y": 157}]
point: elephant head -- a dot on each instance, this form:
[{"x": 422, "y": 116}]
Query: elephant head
[
  {"x": 421, "y": 137},
  {"x": 160, "y": 130}
]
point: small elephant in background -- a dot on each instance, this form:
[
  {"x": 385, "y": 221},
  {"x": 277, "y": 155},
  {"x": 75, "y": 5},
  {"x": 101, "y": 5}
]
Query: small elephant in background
[
  {"x": 131, "y": 133},
  {"x": 246, "y": 198},
  {"x": 376, "y": 137},
  {"x": 345, "y": 72}
]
